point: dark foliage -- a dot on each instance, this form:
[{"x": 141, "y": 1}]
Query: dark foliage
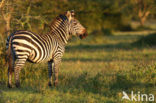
[{"x": 149, "y": 40}]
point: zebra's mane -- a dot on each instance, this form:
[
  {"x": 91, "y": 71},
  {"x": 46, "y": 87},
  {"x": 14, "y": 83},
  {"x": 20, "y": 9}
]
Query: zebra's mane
[
  {"x": 59, "y": 24},
  {"x": 61, "y": 17}
]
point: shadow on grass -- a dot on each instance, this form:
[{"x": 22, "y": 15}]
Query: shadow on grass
[
  {"x": 139, "y": 41},
  {"x": 108, "y": 85},
  {"x": 103, "y": 84},
  {"x": 21, "y": 89},
  {"x": 105, "y": 59},
  {"x": 146, "y": 41},
  {"x": 105, "y": 47},
  {"x": 95, "y": 48},
  {"x": 122, "y": 82},
  {"x": 123, "y": 43},
  {"x": 101, "y": 48}
]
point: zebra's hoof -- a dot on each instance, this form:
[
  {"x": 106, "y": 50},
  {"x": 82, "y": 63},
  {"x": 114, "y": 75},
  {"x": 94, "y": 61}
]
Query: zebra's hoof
[
  {"x": 55, "y": 84},
  {"x": 17, "y": 85},
  {"x": 9, "y": 86},
  {"x": 49, "y": 84}
]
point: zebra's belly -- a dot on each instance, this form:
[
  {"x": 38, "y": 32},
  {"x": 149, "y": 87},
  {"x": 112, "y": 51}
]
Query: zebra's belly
[
  {"x": 33, "y": 61},
  {"x": 36, "y": 57}
]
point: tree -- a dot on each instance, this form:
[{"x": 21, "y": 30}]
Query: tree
[
  {"x": 6, "y": 10},
  {"x": 142, "y": 8},
  {"x": 138, "y": 9}
]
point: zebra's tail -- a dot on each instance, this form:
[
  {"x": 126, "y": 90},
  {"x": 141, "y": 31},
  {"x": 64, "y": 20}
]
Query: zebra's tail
[{"x": 9, "y": 57}]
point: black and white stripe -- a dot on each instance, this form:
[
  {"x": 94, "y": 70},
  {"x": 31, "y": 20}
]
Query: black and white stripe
[{"x": 26, "y": 45}]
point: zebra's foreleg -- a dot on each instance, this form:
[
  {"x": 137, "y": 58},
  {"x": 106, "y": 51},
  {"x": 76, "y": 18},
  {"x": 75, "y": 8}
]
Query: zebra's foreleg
[
  {"x": 19, "y": 63},
  {"x": 56, "y": 70},
  {"x": 55, "y": 76},
  {"x": 50, "y": 71}
]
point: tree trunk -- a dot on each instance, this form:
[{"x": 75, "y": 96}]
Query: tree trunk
[
  {"x": 143, "y": 16},
  {"x": 2, "y": 4},
  {"x": 7, "y": 27},
  {"x": 6, "y": 15}
]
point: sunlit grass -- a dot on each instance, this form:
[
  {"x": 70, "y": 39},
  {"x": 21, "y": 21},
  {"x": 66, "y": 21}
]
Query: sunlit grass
[{"x": 91, "y": 72}]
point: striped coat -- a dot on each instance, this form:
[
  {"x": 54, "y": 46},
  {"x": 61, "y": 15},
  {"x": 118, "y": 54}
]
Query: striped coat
[
  {"x": 35, "y": 48},
  {"x": 25, "y": 46}
]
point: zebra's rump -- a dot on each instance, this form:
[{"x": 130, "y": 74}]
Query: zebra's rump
[{"x": 27, "y": 45}]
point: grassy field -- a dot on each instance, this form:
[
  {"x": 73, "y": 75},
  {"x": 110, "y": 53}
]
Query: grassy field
[{"x": 94, "y": 70}]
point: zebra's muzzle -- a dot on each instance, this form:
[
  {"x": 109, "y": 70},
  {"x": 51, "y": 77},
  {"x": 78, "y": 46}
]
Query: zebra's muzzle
[{"x": 84, "y": 35}]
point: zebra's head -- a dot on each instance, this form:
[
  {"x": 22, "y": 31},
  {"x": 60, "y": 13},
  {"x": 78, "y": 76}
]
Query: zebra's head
[{"x": 75, "y": 27}]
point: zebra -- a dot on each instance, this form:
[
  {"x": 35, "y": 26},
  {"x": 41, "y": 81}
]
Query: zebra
[{"x": 25, "y": 46}]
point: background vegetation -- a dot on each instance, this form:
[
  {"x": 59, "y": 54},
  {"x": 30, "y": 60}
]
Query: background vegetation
[
  {"x": 96, "y": 15},
  {"x": 118, "y": 55}
]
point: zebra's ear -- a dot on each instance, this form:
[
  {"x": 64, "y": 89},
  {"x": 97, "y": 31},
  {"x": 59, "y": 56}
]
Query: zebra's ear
[
  {"x": 68, "y": 14},
  {"x": 72, "y": 13}
]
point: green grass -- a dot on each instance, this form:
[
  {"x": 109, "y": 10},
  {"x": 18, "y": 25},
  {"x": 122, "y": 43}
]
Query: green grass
[
  {"x": 148, "y": 40},
  {"x": 94, "y": 70}
]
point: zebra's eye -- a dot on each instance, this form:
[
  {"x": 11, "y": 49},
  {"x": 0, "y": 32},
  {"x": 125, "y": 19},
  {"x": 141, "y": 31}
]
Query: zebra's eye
[{"x": 74, "y": 23}]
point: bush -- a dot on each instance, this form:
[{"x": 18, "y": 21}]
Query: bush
[
  {"x": 142, "y": 28},
  {"x": 149, "y": 40},
  {"x": 125, "y": 28},
  {"x": 107, "y": 32},
  {"x": 102, "y": 32}
]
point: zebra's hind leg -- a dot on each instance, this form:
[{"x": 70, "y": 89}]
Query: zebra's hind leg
[
  {"x": 10, "y": 70},
  {"x": 19, "y": 63},
  {"x": 10, "y": 76},
  {"x": 50, "y": 71}
]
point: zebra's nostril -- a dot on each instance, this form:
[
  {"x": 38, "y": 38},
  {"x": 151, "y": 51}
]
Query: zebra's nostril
[{"x": 84, "y": 35}]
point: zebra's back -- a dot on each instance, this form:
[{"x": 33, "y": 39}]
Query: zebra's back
[{"x": 27, "y": 45}]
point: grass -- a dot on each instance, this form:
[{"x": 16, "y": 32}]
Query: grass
[
  {"x": 148, "y": 40},
  {"x": 93, "y": 70}
]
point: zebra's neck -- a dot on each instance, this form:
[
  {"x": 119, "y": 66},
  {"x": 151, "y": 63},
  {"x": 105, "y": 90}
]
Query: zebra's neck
[{"x": 59, "y": 29}]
